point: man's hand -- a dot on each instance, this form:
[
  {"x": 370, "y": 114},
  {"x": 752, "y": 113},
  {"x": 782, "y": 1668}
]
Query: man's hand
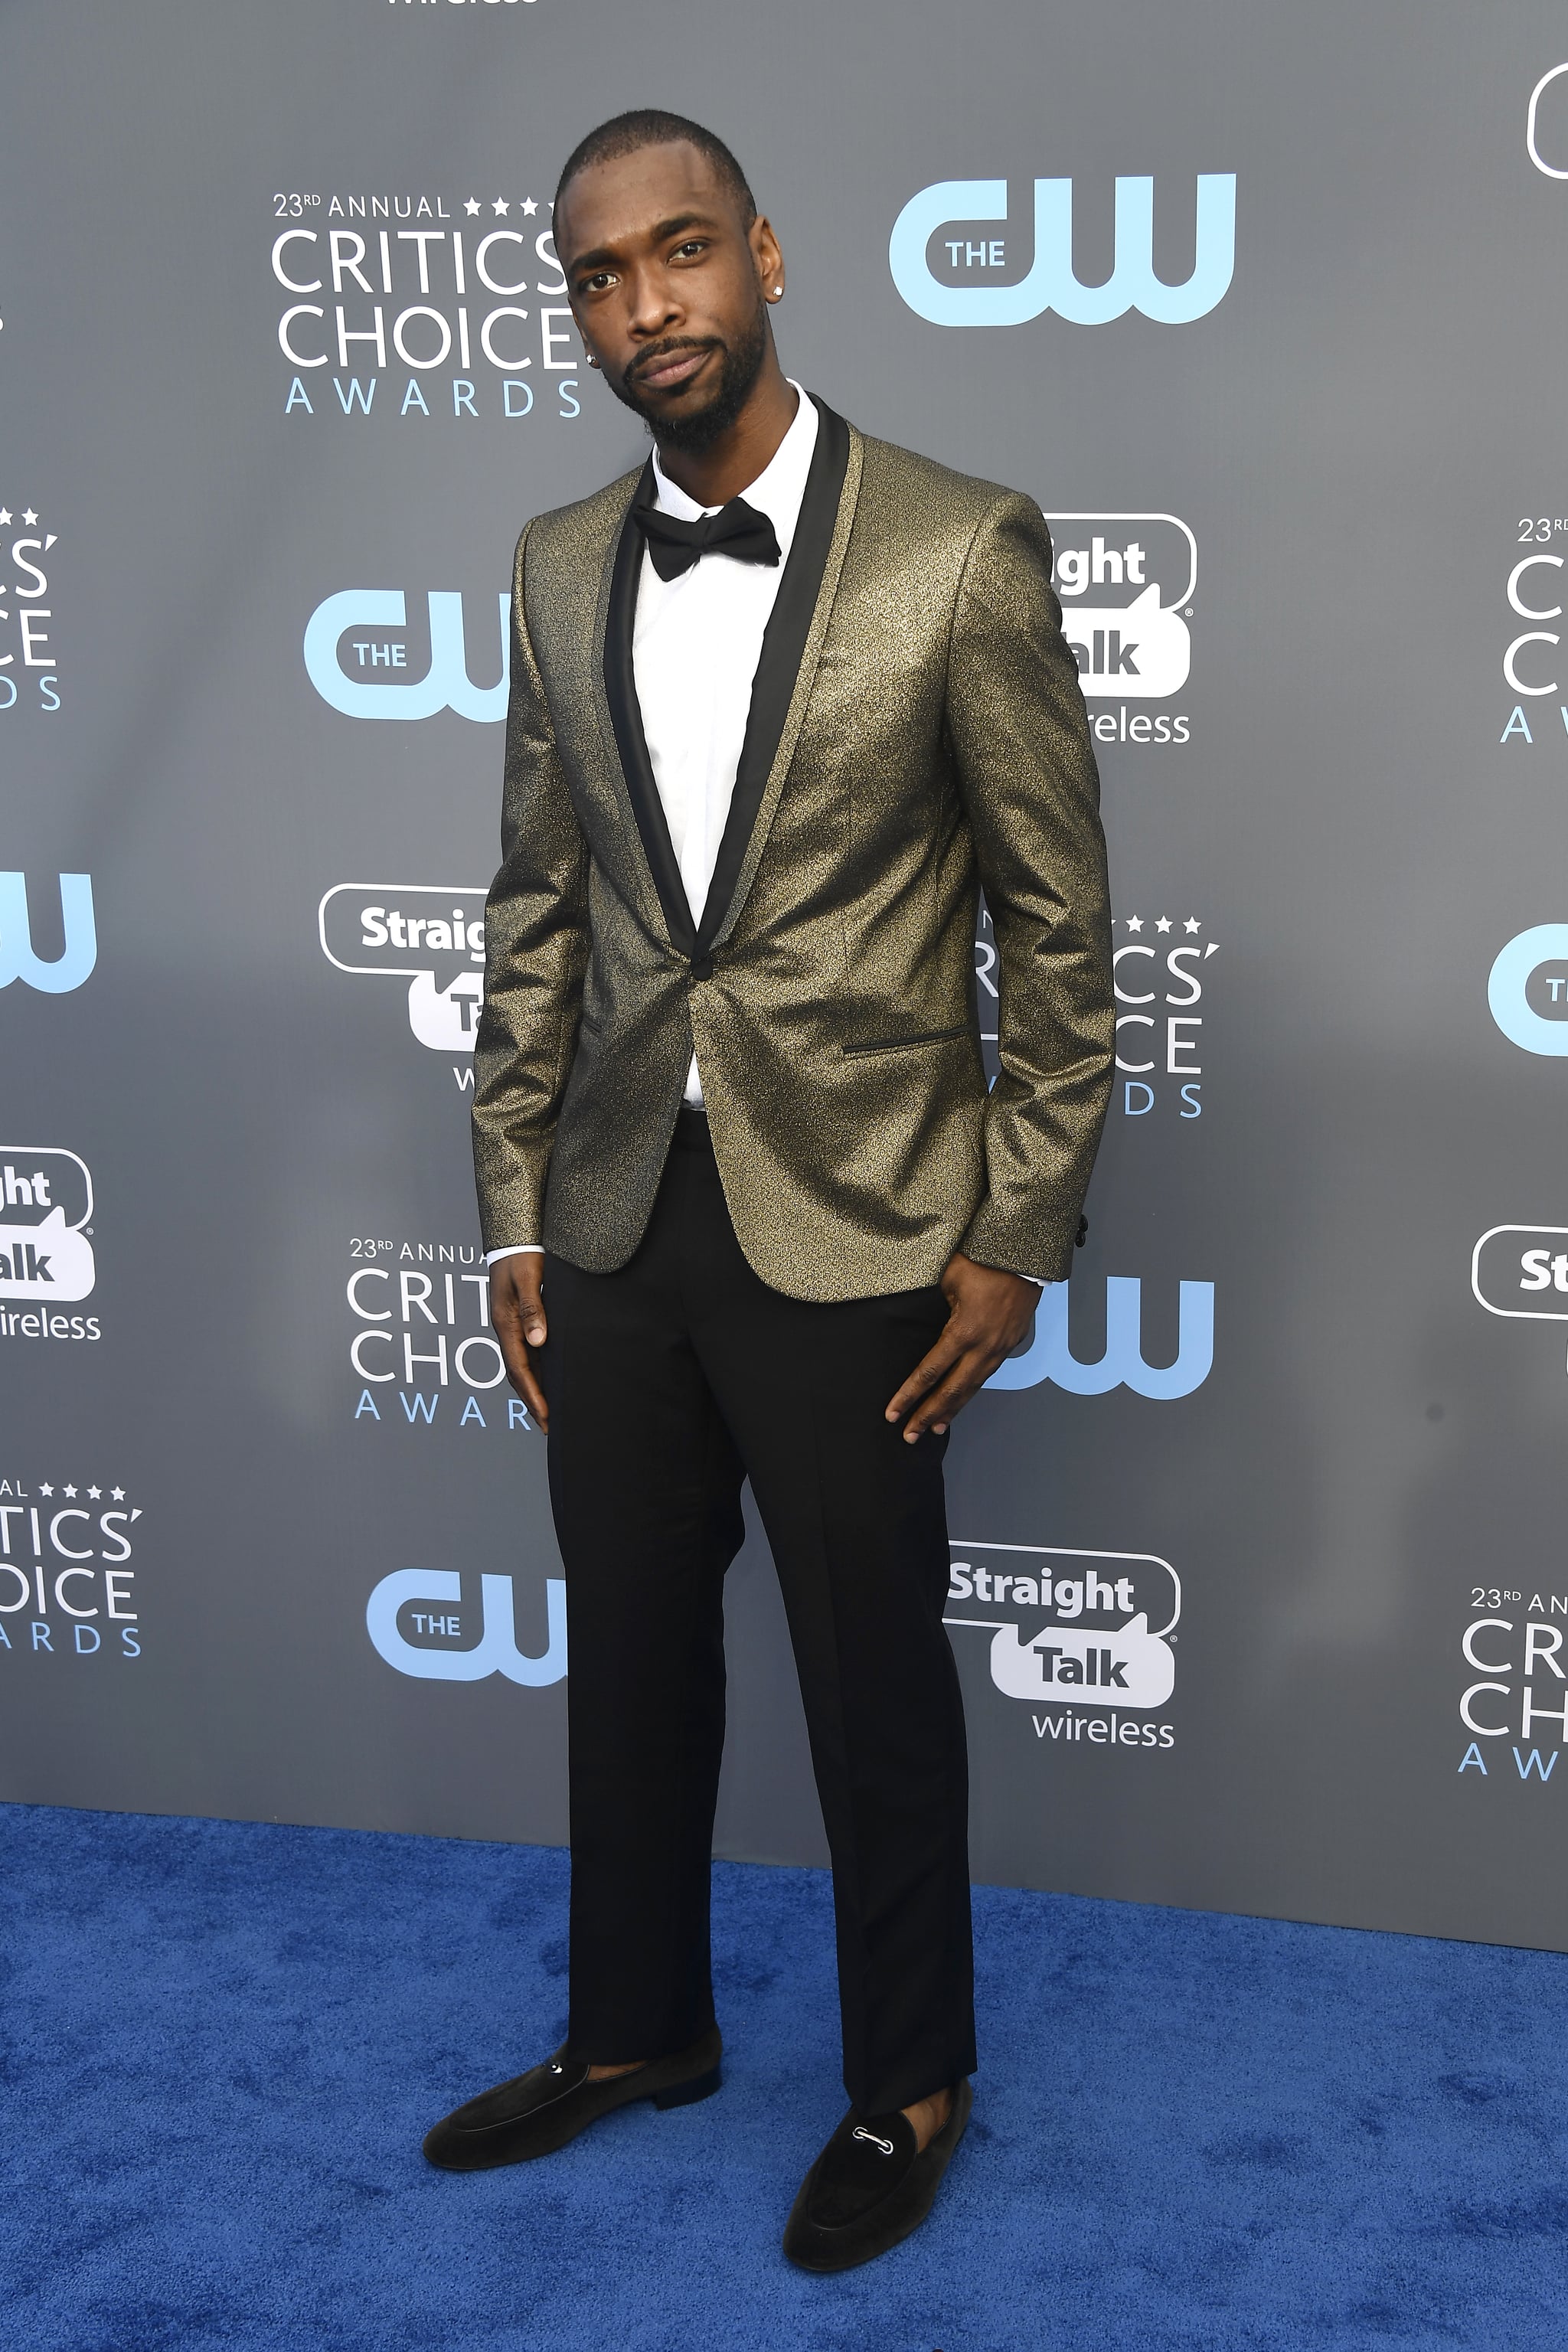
[
  {"x": 517, "y": 1314},
  {"x": 991, "y": 1315}
]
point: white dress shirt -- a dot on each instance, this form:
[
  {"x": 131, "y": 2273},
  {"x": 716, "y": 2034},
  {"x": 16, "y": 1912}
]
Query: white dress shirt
[{"x": 695, "y": 644}]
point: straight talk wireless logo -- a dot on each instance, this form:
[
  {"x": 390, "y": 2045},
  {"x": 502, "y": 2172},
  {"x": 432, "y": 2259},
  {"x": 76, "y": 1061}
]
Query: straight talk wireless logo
[
  {"x": 1101, "y": 1664},
  {"x": 1126, "y": 585},
  {"x": 47, "y": 1263},
  {"x": 426, "y": 934}
]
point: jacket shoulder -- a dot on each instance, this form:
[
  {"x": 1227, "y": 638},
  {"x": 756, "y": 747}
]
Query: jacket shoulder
[
  {"x": 582, "y": 530},
  {"x": 935, "y": 495}
]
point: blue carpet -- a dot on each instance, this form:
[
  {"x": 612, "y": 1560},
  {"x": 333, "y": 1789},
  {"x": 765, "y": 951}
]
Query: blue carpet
[{"x": 1193, "y": 2134}]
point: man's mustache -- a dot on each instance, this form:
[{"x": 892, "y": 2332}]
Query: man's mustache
[{"x": 662, "y": 351}]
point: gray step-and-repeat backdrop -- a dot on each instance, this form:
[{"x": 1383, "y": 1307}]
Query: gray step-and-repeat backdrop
[{"x": 1259, "y": 1594}]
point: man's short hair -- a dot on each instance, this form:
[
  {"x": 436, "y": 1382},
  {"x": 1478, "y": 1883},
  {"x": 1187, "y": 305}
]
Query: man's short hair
[{"x": 650, "y": 126}]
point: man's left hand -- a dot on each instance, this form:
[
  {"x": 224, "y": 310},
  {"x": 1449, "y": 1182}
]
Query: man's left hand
[{"x": 991, "y": 1314}]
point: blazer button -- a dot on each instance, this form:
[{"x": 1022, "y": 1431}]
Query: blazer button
[{"x": 703, "y": 968}]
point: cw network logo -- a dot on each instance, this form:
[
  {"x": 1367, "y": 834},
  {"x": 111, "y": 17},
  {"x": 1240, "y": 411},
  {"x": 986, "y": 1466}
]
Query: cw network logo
[
  {"x": 1051, "y": 283},
  {"x": 495, "y": 1651},
  {"x": 59, "y": 975},
  {"x": 1049, "y": 1355},
  {"x": 1527, "y": 990},
  {"x": 360, "y": 675},
  {"x": 46, "y": 1202},
  {"x": 430, "y": 936}
]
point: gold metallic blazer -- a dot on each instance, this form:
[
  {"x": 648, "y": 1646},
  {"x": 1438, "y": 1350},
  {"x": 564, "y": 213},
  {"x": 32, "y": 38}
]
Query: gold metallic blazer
[{"x": 916, "y": 728}]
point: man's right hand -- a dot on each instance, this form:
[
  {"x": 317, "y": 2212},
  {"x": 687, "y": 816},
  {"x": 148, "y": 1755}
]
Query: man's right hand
[{"x": 517, "y": 1314}]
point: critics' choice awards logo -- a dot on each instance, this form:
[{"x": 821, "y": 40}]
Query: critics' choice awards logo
[
  {"x": 1074, "y": 1630},
  {"x": 364, "y": 658},
  {"x": 30, "y": 663},
  {"x": 430, "y": 936},
  {"x": 1163, "y": 976},
  {"x": 1533, "y": 663},
  {"x": 417, "y": 312},
  {"x": 955, "y": 277},
  {"x": 68, "y": 1588},
  {"x": 46, "y": 1255},
  {"x": 51, "y": 975},
  {"x": 420, "y": 1624},
  {"x": 422, "y": 1352},
  {"x": 1516, "y": 1678},
  {"x": 1126, "y": 582}
]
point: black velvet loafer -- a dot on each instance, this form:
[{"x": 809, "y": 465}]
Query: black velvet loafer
[
  {"x": 870, "y": 2188},
  {"x": 536, "y": 2113}
]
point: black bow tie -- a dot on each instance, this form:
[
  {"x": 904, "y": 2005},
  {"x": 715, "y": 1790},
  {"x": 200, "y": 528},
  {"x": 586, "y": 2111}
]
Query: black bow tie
[{"x": 736, "y": 530}]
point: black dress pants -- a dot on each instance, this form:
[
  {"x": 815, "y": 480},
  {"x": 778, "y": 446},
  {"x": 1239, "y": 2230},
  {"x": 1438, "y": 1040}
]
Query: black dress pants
[{"x": 669, "y": 1383}]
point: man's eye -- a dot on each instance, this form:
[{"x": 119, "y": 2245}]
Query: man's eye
[
  {"x": 692, "y": 245},
  {"x": 595, "y": 285}
]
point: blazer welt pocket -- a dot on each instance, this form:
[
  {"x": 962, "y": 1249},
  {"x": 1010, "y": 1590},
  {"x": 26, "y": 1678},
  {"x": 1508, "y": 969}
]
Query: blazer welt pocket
[{"x": 897, "y": 1045}]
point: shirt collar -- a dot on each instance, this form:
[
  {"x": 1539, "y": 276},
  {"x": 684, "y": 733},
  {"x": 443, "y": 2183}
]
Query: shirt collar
[{"x": 778, "y": 490}]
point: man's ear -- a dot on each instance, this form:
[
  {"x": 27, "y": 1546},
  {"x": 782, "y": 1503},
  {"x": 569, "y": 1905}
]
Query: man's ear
[{"x": 766, "y": 258}]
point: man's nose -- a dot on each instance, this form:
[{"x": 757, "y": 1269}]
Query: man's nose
[{"x": 652, "y": 305}]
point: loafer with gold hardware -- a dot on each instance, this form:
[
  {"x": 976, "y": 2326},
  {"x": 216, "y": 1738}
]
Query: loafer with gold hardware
[
  {"x": 870, "y": 2188},
  {"x": 539, "y": 2112}
]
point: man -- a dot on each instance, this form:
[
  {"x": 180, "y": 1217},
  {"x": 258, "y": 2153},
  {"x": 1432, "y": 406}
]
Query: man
[{"x": 748, "y": 1208}]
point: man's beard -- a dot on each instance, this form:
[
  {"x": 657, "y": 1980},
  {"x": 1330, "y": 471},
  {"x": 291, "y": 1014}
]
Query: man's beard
[{"x": 692, "y": 434}]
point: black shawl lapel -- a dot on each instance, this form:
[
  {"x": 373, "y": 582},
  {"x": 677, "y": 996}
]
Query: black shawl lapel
[
  {"x": 625, "y": 717},
  {"x": 773, "y": 689},
  {"x": 784, "y": 645}
]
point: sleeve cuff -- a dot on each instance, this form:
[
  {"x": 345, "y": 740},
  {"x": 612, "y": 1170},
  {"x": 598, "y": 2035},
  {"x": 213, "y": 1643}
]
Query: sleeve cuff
[{"x": 515, "y": 1249}]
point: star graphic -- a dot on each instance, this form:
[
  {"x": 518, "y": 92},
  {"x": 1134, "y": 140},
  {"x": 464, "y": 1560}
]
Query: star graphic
[
  {"x": 1191, "y": 924},
  {"x": 70, "y": 1491},
  {"x": 1164, "y": 924},
  {"x": 1134, "y": 922},
  {"x": 117, "y": 1493},
  {"x": 29, "y": 515},
  {"x": 499, "y": 206},
  {"x": 529, "y": 208},
  {"x": 95, "y": 1494},
  {"x": 46, "y": 1490},
  {"x": 471, "y": 207},
  {"x": 5, "y": 514}
]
